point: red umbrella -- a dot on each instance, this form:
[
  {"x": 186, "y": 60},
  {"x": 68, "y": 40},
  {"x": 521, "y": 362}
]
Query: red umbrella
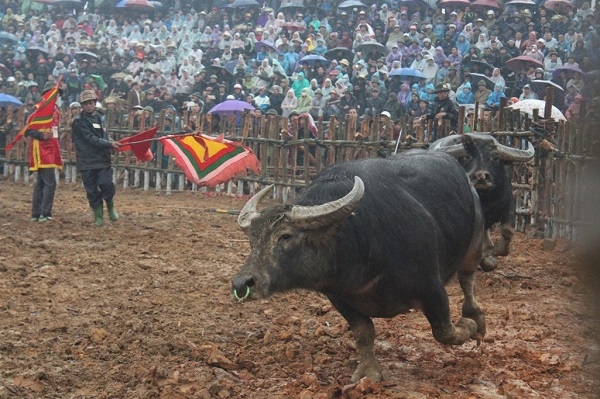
[
  {"x": 561, "y": 4},
  {"x": 523, "y": 62},
  {"x": 486, "y": 4},
  {"x": 5, "y": 71}
]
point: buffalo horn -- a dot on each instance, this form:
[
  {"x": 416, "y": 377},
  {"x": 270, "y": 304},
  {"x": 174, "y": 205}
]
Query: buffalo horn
[
  {"x": 511, "y": 154},
  {"x": 314, "y": 217},
  {"x": 249, "y": 211},
  {"x": 455, "y": 150}
]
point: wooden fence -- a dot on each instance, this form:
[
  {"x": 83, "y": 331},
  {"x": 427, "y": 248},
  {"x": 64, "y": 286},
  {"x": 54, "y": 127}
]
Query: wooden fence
[{"x": 549, "y": 191}]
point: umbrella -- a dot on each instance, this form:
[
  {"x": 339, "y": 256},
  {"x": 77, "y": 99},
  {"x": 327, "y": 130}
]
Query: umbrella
[
  {"x": 49, "y": 2},
  {"x": 518, "y": 3},
  {"x": 292, "y": 26},
  {"x": 569, "y": 69},
  {"x": 562, "y": 4},
  {"x": 292, "y": 7},
  {"x": 454, "y": 3},
  {"x": 528, "y": 106},
  {"x": 231, "y": 107},
  {"x": 486, "y": 4},
  {"x": 352, "y": 3},
  {"x": 407, "y": 73},
  {"x": 539, "y": 87},
  {"x": 339, "y": 53},
  {"x": 476, "y": 77},
  {"x": 67, "y": 3},
  {"x": 35, "y": 50},
  {"x": 312, "y": 59},
  {"x": 366, "y": 47},
  {"x": 244, "y": 3},
  {"x": 7, "y": 100},
  {"x": 522, "y": 62},
  {"x": 258, "y": 44},
  {"x": 142, "y": 5},
  {"x": 217, "y": 68},
  {"x": 157, "y": 5},
  {"x": 6, "y": 37},
  {"x": 5, "y": 71},
  {"x": 85, "y": 54},
  {"x": 482, "y": 65}
]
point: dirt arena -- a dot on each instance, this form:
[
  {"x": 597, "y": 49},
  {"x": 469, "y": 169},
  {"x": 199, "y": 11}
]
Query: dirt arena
[{"x": 142, "y": 309}]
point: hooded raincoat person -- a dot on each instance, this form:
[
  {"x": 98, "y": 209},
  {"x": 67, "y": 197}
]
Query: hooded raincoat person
[
  {"x": 304, "y": 101},
  {"x": 289, "y": 103},
  {"x": 300, "y": 83},
  {"x": 465, "y": 94},
  {"x": 493, "y": 100}
]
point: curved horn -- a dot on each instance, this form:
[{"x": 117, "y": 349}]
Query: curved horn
[
  {"x": 314, "y": 217},
  {"x": 455, "y": 150},
  {"x": 249, "y": 211},
  {"x": 514, "y": 154}
]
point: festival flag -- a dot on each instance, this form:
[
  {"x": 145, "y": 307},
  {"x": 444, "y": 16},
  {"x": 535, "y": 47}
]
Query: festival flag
[
  {"x": 208, "y": 161},
  {"x": 42, "y": 115},
  {"x": 140, "y": 144}
]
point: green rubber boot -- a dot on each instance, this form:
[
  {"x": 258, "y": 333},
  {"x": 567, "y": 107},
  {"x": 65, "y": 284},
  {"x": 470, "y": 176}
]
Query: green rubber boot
[
  {"x": 98, "y": 215},
  {"x": 112, "y": 212}
]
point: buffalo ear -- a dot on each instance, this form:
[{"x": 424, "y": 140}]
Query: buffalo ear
[{"x": 467, "y": 142}]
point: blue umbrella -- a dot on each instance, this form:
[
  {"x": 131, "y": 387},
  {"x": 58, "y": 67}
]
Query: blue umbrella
[
  {"x": 7, "y": 100},
  {"x": 311, "y": 59},
  {"x": 6, "y": 37},
  {"x": 231, "y": 107},
  {"x": 407, "y": 73}
]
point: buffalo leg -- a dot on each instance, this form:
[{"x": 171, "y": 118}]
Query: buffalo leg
[
  {"x": 364, "y": 334},
  {"x": 471, "y": 308},
  {"x": 437, "y": 310},
  {"x": 488, "y": 261},
  {"x": 507, "y": 232}
]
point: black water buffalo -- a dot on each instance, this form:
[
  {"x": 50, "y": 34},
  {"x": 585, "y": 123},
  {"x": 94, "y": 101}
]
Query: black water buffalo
[
  {"x": 489, "y": 166},
  {"x": 377, "y": 237}
]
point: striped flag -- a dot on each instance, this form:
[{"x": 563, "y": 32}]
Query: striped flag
[
  {"x": 208, "y": 161},
  {"x": 42, "y": 115}
]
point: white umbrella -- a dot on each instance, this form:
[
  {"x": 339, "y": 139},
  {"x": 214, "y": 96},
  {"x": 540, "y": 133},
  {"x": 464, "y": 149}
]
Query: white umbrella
[{"x": 528, "y": 106}]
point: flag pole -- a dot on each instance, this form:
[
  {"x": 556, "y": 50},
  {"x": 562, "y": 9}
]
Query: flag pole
[{"x": 170, "y": 136}]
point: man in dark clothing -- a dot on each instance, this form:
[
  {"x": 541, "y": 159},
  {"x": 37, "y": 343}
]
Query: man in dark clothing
[
  {"x": 444, "y": 109},
  {"x": 92, "y": 146},
  {"x": 375, "y": 104}
]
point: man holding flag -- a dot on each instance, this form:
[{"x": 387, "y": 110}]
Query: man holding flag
[
  {"x": 45, "y": 157},
  {"x": 93, "y": 149}
]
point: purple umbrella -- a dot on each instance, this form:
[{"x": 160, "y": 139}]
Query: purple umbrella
[
  {"x": 258, "y": 44},
  {"x": 570, "y": 69},
  {"x": 231, "y": 107}
]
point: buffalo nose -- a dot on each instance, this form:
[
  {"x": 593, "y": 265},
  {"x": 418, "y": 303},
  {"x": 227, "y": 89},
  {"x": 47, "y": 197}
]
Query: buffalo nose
[
  {"x": 241, "y": 287},
  {"x": 482, "y": 176}
]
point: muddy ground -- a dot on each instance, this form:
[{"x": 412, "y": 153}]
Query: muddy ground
[{"x": 142, "y": 308}]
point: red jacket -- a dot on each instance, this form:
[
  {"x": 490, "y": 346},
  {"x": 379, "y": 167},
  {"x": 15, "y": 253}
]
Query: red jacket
[{"x": 44, "y": 154}]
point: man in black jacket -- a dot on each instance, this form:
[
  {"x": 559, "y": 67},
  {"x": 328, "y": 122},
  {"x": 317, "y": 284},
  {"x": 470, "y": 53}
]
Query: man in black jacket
[
  {"x": 93, "y": 146},
  {"x": 444, "y": 109}
]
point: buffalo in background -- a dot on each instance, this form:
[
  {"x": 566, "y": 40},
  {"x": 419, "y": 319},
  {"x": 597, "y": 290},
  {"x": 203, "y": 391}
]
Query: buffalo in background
[
  {"x": 377, "y": 237},
  {"x": 489, "y": 165}
]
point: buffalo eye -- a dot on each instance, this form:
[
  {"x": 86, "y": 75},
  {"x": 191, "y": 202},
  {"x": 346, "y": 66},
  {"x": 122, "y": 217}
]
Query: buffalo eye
[
  {"x": 465, "y": 159},
  {"x": 285, "y": 237}
]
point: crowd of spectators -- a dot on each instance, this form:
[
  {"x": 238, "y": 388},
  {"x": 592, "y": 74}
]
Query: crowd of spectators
[{"x": 184, "y": 56}]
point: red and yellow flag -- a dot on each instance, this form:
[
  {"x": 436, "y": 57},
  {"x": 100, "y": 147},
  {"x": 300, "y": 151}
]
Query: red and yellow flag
[
  {"x": 42, "y": 115},
  {"x": 209, "y": 161}
]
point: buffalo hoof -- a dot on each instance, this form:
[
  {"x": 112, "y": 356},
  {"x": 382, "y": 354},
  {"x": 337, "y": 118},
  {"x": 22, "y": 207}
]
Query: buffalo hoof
[
  {"x": 370, "y": 370},
  {"x": 501, "y": 250},
  {"x": 488, "y": 263}
]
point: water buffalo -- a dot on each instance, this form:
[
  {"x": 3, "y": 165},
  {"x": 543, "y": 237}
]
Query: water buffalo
[
  {"x": 489, "y": 166},
  {"x": 377, "y": 237}
]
